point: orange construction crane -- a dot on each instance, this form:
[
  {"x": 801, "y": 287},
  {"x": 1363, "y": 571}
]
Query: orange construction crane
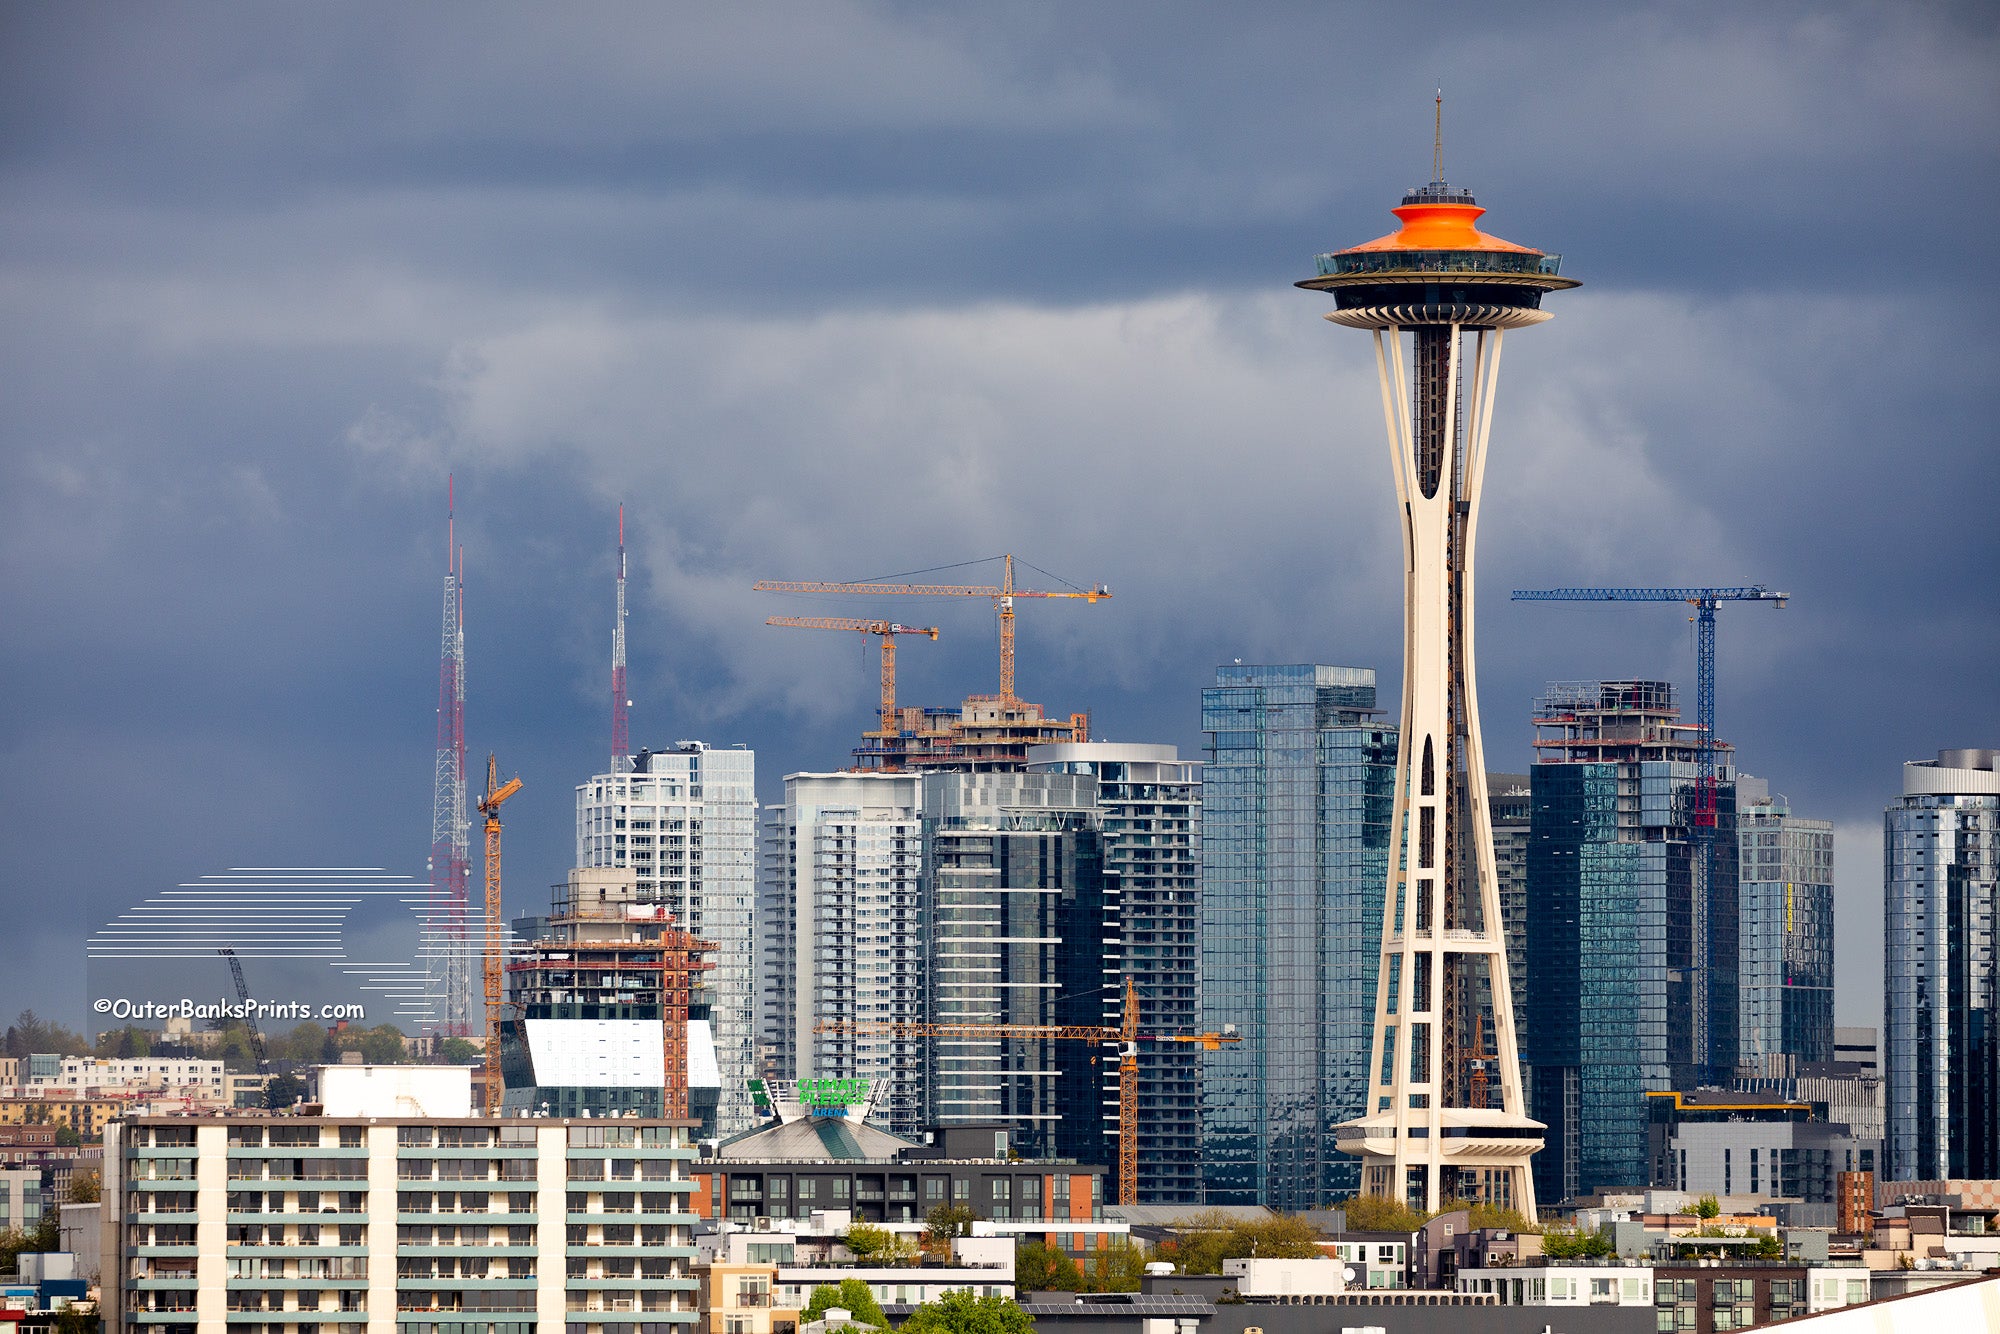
[
  {"x": 1003, "y": 600},
  {"x": 888, "y": 630},
  {"x": 496, "y": 794},
  {"x": 1126, "y": 1035}
]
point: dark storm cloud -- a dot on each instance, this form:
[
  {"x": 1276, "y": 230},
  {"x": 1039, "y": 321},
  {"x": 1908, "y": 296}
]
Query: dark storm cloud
[{"x": 840, "y": 290}]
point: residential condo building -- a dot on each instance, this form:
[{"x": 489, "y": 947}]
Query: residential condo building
[
  {"x": 1295, "y": 857},
  {"x": 1632, "y": 949},
  {"x": 1941, "y": 1013},
  {"x": 380, "y": 1218}
]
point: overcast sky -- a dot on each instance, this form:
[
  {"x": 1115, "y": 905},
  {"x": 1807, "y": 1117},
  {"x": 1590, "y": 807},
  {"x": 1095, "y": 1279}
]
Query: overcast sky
[{"x": 837, "y": 290}]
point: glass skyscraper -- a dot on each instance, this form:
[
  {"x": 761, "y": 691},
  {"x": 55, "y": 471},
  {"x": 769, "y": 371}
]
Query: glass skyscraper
[
  {"x": 1021, "y": 931},
  {"x": 1632, "y": 961},
  {"x": 1785, "y": 897},
  {"x": 1295, "y": 837},
  {"x": 1150, "y": 801},
  {"x": 1941, "y": 890}
]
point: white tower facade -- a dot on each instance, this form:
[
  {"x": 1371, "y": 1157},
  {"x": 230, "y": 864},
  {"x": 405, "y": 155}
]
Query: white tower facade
[
  {"x": 685, "y": 821},
  {"x": 1444, "y": 1117}
]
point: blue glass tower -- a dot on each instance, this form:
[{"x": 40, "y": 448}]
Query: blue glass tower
[
  {"x": 1941, "y": 1011},
  {"x": 1622, "y": 953},
  {"x": 1295, "y": 837}
]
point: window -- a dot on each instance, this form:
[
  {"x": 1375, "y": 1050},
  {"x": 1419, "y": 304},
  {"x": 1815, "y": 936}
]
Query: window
[
  {"x": 961, "y": 1188},
  {"x": 934, "y": 1188}
]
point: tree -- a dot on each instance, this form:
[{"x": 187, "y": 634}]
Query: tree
[
  {"x": 458, "y": 1051},
  {"x": 1378, "y": 1213},
  {"x": 1568, "y": 1243},
  {"x": 866, "y": 1240},
  {"x": 850, "y": 1295},
  {"x": 72, "y": 1320},
  {"x": 1707, "y": 1207},
  {"x": 944, "y": 1222},
  {"x": 1039, "y": 1268},
  {"x": 962, "y": 1313},
  {"x": 1207, "y": 1239},
  {"x": 1118, "y": 1267},
  {"x": 85, "y": 1188},
  {"x": 31, "y": 1034},
  {"x": 67, "y": 1138},
  {"x": 1482, "y": 1215},
  {"x": 283, "y": 1091},
  {"x": 124, "y": 1043}
]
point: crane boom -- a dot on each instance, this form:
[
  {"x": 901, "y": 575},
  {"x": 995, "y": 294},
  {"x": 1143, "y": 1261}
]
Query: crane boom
[
  {"x": 888, "y": 630},
  {"x": 496, "y": 796},
  {"x": 1126, "y": 1035},
  {"x": 243, "y": 995},
  {"x": 1002, "y": 595}
]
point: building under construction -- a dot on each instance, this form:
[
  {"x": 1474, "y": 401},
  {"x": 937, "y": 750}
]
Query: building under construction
[
  {"x": 1632, "y": 950},
  {"x": 608, "y": 1013},
  {"x": 986, "y": 734}
]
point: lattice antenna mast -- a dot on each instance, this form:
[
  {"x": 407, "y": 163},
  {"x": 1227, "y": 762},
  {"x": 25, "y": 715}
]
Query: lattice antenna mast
[
  {"x": 1437, "y": 141},
  {"x": 451, "y": 831},
  {"x": 621, "y": 744}
]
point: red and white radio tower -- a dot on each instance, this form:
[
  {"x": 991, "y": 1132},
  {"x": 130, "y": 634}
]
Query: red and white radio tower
[
  {"x": 621, "y": 745},
  {"x": 446, "y": 942}
]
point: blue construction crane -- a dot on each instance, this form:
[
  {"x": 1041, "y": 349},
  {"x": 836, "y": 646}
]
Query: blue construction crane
[
  {"x": 1703, "y": 817},
  {"x": 1705, "y": 601}
]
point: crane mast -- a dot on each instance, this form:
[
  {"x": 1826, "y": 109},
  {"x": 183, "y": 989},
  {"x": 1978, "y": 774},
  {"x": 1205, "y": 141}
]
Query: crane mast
[
  {"x": 243, "y": 996},
  {"x": 496, "y": 795},
  {"x": 887, "y": 630}
]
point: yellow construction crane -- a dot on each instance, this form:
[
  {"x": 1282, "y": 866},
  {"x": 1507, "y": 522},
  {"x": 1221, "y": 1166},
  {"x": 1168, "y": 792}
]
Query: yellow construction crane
[
  {"x": 888, "y": 630},
  {"x": 1003, "y": 600},
  {"x": 496, "y": 795},
  {"x": 1126, "y": 1035}
]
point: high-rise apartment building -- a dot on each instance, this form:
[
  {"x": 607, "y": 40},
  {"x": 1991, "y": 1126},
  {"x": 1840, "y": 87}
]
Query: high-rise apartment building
[
  {"x": 685, "y": 821},
  {"x": 1021, "y": 930},
  {"x": 1941, "y": 1013},
  {"x": 841, "y": 928},
  {"x": 1149, "y": 803},
  {"x": 379, "y": 1219},
  {"x": 1632, "y": 958},
  {"x": 1785, "y": 958},
  {"x": 869, "y": 918},
  {"x": 1295, "y": 856}
]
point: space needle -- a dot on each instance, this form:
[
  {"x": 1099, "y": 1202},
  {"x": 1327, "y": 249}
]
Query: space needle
[{"x": 1444, "y": 1118}]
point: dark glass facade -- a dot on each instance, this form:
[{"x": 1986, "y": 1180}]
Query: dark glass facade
[
  {"x": 1627, "y": 959},
  {"x": 1785, "y": 894},
  {"x": 1022, "y": 931},
  {"x": 1941, "y": 1012},
  {"x": 1295, "y": 835},
  {"x": 1150, "y": 801}
]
